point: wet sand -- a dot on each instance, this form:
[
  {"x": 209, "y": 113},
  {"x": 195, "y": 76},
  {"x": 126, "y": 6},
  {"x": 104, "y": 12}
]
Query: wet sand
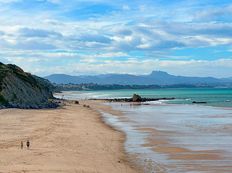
[
  {"x": 75, "y": 139},
  {"x": 195, "y": 140},
  {"x": 70, "y": 139},
  {"x": 159, "y": 143}
]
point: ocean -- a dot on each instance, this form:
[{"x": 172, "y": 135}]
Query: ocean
[
  {"x": 173, "y": 136},
  {"x": 213, "y": 97}
]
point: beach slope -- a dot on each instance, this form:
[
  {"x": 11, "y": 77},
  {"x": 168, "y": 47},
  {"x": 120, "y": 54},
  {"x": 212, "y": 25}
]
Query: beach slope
[{"x": 69, "y": 139}]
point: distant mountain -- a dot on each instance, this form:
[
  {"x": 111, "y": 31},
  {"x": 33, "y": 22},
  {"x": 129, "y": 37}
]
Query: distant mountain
[
  {"x": 155, "y": 78},
  {"x": 19, "y": 89}
]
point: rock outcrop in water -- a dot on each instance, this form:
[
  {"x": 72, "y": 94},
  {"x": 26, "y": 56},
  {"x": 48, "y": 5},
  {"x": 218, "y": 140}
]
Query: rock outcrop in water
[
  {"x": 19, "y": 89},
  {"x": 136, "y": 98}
]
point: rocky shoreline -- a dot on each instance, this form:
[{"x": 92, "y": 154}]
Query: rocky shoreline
[
  {"x": 51, "y": 105},
  {"x": 131, "y": 99}
]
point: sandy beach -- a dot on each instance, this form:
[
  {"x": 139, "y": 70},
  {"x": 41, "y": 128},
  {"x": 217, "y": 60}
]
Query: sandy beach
[{"x": 69, "y": 139}]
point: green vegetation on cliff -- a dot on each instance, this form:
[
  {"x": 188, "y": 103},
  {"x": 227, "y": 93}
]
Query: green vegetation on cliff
[
  {"x": 3, "y": 101},
  {"x": 23, "y": 90}
]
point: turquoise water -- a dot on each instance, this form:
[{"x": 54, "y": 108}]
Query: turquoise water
[
  {"x": 214, "y": 97},
  {"x": 198, "y": 129}
]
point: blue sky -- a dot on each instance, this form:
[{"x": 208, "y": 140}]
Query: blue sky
[{"x": 182, "y": 37}]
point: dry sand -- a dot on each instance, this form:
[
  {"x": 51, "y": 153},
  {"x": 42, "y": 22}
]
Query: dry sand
[{"x": 69, "y": 139}]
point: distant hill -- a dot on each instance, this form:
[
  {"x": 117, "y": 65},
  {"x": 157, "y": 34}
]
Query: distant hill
[
  {"x": 22, "y": 90},
  {"x": 155, "y": 78}
]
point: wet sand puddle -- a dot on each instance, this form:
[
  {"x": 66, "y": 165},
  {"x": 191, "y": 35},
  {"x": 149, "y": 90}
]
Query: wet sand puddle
[{"x": 176, "y": 138}]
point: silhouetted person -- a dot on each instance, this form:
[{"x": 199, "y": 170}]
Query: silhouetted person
[
  {"x": 28, "y": 144},
  {"x": 21, "y": 144}
]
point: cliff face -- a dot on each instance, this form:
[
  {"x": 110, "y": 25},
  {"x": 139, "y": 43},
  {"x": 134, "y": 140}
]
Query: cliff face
[{"x": 22, "y": 90}]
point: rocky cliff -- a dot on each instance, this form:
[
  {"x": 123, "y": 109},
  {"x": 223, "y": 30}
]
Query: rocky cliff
[{"x": 19, "y": 89}]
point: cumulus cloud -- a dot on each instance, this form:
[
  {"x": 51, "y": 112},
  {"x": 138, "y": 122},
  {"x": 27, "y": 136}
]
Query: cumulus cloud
[
  {"x": 215, "y": 13},
  {"x": 33, "y": 45},
  {"x": 31, "y": 32},
  {"x": 115, "y": 33},
  {"x": 95, "y": 38}
]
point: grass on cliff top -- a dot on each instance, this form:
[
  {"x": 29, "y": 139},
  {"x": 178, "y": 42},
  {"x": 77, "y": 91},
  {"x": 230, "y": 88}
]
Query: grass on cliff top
[
  {"x": 27, "y": 77},
  {"x": 3, "y": 73},
  {"x": 18, "y": 72},
  {"x": 33, "y": 81}
]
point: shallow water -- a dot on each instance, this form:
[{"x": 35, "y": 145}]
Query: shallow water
[{"x": 175, "y": 136}]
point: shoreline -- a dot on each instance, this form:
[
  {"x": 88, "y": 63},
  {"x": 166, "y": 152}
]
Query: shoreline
[
  {"x": 86, "y": 137},
  {"x": 101, "y": 108},
  {"x": 69, "y": 139},
  {"x": 159, "y": 142}
]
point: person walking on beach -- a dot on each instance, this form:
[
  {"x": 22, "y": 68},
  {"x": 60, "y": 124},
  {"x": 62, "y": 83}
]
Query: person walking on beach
[
  {"x": 28, "y": 144},
  {"x": 21, "y": 144}
]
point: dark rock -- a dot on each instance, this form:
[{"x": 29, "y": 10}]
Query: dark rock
[
  {"x": 195, "y": 102},
  {"x": 131, "y": 100},
  {"x": 136, "y": 98},
  {"x": 2, "y": 107}
]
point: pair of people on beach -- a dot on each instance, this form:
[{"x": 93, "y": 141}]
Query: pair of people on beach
[{"x": 27, "y": 144}]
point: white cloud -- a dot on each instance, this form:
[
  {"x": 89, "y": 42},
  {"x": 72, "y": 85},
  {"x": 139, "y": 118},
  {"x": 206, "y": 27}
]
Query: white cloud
[
  {"x": 106, "y": 42},
  {"x": 44, "y": 66}
]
